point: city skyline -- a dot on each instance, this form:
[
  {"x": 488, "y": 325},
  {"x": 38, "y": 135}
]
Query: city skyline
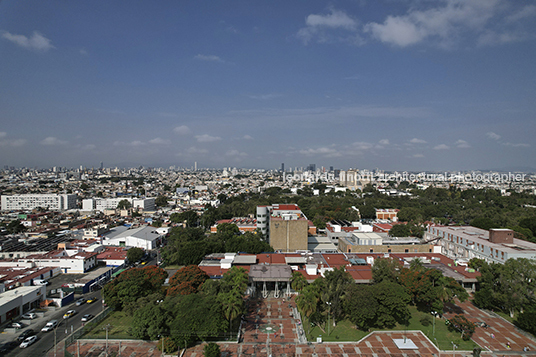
[{"x": 409, "y": 85}]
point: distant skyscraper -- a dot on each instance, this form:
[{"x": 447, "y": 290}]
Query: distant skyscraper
[
  {"x": 283, "y": 167},
  {"x": 195, "y": 166},
  {"x": 312, "y": 167},
  {"x": 331, "y": 169},
  {"x": 101, "y": 165}
]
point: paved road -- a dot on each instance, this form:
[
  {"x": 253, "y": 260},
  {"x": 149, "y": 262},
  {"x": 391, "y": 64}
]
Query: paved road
[{"x": 45, "y": 340}]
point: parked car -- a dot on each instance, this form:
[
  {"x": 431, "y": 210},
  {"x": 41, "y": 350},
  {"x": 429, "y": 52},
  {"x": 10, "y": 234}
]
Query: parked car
[
  {"x": 91, "y": 300},
  {"x": 80, "y": 301},
  {"x": 69, "y": 313},
  {"x": 29, "y": 316},
  {"x": 86, "y": 317},
  {"x": 25, "y": 335},
  {"x": 50, "y": 326},
  {"x": 17, "y": 325},
  {"x": 27, "y": 342},
  {"x": 8, "y": 346}
]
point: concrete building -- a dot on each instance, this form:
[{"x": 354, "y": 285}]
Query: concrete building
[
  {"x": 285, "y": 227},
  {"x": 466, "y": 242},
  {"x": 52, "y": 202},
  {"x": 103, "y": 204},
  {"x": 145, "y": 237},
  {"x": 357, "y": 242},
  {"x": 387, "y": 214},
  {"x": 244, "y": 224},
  {"x": 18, "y": 301}
]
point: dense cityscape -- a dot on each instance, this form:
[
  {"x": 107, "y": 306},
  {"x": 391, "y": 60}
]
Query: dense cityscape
[
  {"x": 267, "y": 178},
  {"x": 211, "y": 243}
]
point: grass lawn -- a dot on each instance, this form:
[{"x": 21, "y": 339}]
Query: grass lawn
[
  {"x": 345, "y": 331},
  {"x": 119, "y": 324},
  {"x": 505, "y": 316}
]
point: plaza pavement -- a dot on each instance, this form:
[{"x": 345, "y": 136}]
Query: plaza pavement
[{"x": 273, "y": 329}]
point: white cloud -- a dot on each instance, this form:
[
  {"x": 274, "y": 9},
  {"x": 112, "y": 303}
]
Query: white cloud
[
  {"x": 159, "y": 141},
  {"x": 323, "y": 28},
  {"x": 441, "y": 147},
  {"x": 322, "y": 151},
  {"x": 462, "y": 144},
  {"x": 235, "y": 153},
  {"x": 335, "y": 19},
  {"x": 52, "y": 141},
  {"x": 444, "y": 24},
  {"x": 83, "y": 51},
  {"x": 384, "y": 142},
  {"x": 208, "y": 58},
  {"x": 89, "y": 147},
  {"x": 526, "y": 12},
  {"x": 516, "y": 145},
  {"x": 417, "y": 141},
  {"x": 362, "y": 145},
  {"x": 492, "y": 135},
  {"x": 205, "y": 138},
  {"x": 396, "y": 30},
  {"x": 247, "y": 137},
  {"x": 418, "y": 155},
  {"x": 182, "y": 130},
  {"x": 4, "y": 141},
  {"x": 194, "y": 151},
  {"x": 265, "y": 96},
  {"x": 35, "y": 42}
]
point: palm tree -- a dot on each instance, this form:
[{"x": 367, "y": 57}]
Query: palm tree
[
  {"x": 232, "y": 306},
  {"x": 298, "y": 281},
  {"x": 307, "y": 302}
]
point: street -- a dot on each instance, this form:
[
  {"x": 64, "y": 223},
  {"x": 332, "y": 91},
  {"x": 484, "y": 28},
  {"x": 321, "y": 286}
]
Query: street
[{"x": 45, "y": 340}]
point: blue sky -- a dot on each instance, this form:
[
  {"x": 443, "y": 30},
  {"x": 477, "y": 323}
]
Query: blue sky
[{"x": 396, "y": 85}]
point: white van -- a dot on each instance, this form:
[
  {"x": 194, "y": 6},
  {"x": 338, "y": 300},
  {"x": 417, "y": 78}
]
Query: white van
[{"x": 40, "y": 282}]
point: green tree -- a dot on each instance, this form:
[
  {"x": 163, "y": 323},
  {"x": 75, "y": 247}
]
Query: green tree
[
  {"x": 232, "y": 305},
  {"x": 195, "y": 317},
  {"x": 461, "y": 324},
  {"x": 190, "y": 218},
  {"x": 15, "y": 227},
  {"x": 385, "y": 269},
  {"x": 132, "y": 284},
  {"x": 187, "y": 280},
  {"x": 211, "y": 350},
  {"x": 161, "y": 201},
  {"x": 134, "y": 254},
  {"x": 337, "y": 282},
  {"x": 149, "y": 322},
  {"x": 298, "y": 281},
  {"x": 361, "y": 306},
  {"x": 526, "y": 320},
  {"x": 400, "y": 230},
  {"x": 307, "y": 300},
  {"x": 124, "y": 204},
  {"x": 235, "y": 279},
  {"x": 393, "y": 302}
]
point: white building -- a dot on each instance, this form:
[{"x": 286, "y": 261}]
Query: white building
[
  {"x": 70, "y": 261},
  {"x": 145, "y": 237},
  {"x": 18, "y": 301},
  {"x": 466, "y": 242},
  {"x": 102, "y": 204},
  {"x": 53, "y": 202}
]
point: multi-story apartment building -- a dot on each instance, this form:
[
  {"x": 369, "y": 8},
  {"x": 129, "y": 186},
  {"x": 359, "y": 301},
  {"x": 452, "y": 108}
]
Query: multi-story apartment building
[
  {"x": 102, "y": 204},
  {"x": 285, "y": 226},
  {"x": 494, "y": 246},
  {"x": 54, "y": 202}
]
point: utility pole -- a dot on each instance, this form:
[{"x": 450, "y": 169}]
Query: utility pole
[{"x": 329, "y": 313}]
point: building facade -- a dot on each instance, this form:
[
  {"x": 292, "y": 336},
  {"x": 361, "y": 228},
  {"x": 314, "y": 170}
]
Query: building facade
[
  {"x": 52, "y": 202},
  {"x": 466, "y": 242}
]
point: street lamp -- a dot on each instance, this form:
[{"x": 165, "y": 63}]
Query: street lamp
[
  {"x": 329, "y": 313},
  {"x": 453, "y": 348}
]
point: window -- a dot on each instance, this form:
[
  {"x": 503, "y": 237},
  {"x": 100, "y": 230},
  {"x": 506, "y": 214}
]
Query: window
[
  {"x": 406, "y": 250},
  {"x": 389, "y": 250},
  {"x": 371, "y": 250}
]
